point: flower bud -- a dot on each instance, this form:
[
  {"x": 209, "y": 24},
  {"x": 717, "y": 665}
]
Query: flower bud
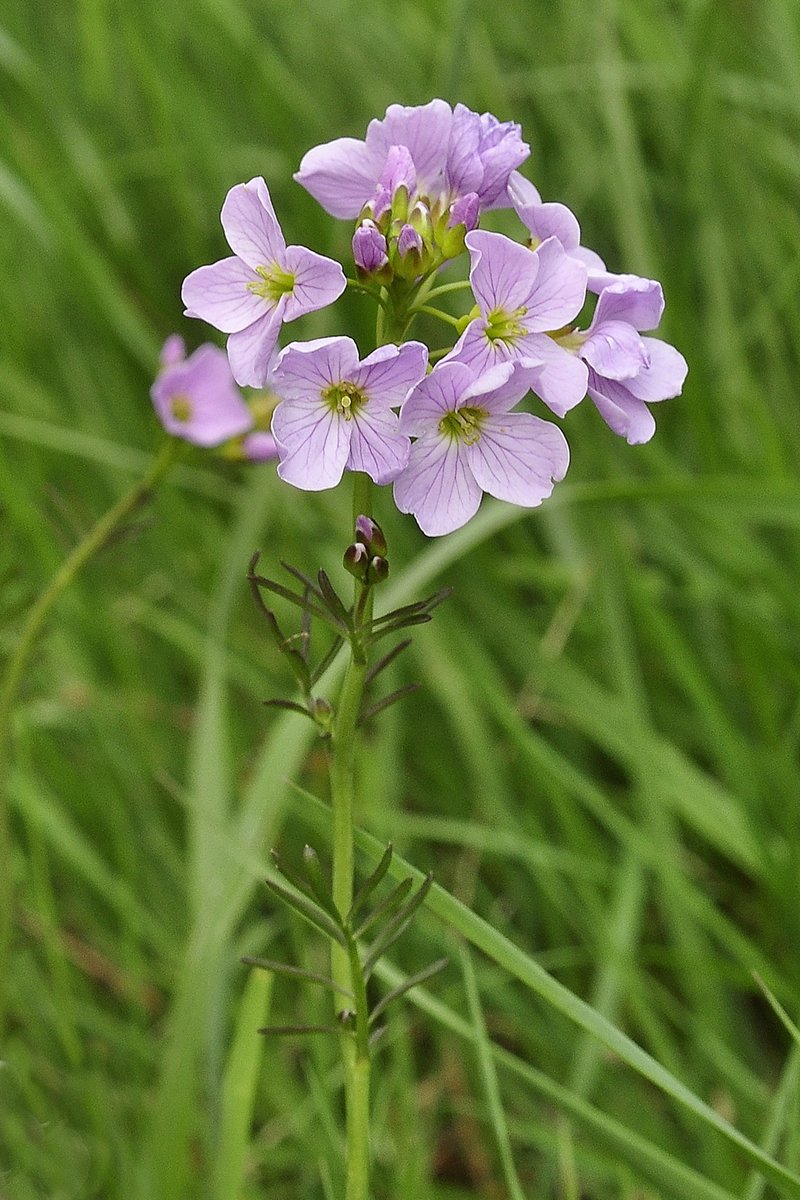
[
  {"x": 465, "y": 211},
  {"x": 378, "y": 570},
  {"x": 356, "y": 561},
  {"x": 370, "y": 534},
  {"x": 369, "y": 249}
]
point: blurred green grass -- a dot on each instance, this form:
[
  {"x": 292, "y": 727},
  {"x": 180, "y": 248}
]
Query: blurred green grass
[{"x": 603, "y": 760}]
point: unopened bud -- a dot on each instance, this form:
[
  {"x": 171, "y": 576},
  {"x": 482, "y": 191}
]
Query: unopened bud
[
  {"x": 378, "y": 570},
  {"x": 420, "y": 219},
  {"x": 369, "y": 249},
  {"x": 356, "y": 560},
  {"x": 465, "y": 211},
  {"x": 370, "y": 534}
]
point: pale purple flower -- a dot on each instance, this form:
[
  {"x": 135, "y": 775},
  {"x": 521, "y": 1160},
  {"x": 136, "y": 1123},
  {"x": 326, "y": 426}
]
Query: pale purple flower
[
  {"x": 196, "y": 398},
  {"x": 336, "y": 411},
  {"x": 626, "y": 371},
  {"x": 265, "y": 283},
  {"x": 469, "y": 442},
  {"x": 451, "y": 152},
  {"x": 523, "y": 296}
]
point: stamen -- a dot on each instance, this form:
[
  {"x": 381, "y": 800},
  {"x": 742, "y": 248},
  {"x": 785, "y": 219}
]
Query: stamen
[
  {"x": 276, "y": 282},
  {"x": 181, "y": 408}
]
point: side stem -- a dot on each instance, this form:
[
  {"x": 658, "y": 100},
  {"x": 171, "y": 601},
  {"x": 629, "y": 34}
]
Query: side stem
[{"x": 16, "y": 667}]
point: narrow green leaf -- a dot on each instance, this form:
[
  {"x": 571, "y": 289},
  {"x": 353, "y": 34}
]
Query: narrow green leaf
[
  {"x": 317, "y": 882},
  {"x": 239, "y": 1089},
  {"x": 398, "y": 925},
  {"x": 279, "y": 968},
  {"x": 334, "y": 601},
  {"x": 308, "y": 911},
  {"x": 289, "y": 705},
  {"x": 370, "y": 883},
  {"x": 491, "y": 1088},
  {"x": 382, "y": 663},
  {"x": 387, "y": 907},
  {"x": 300, "y": 602},
  {"x": 380, "y": 705},
  {"x": 407, "y": 985}
]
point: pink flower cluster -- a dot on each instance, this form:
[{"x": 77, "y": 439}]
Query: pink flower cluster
[{"x": 417, "y": 186}]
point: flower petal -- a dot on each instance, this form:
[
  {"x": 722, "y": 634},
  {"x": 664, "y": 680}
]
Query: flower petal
[
  {"x": 464, "y": 170},
  {"x": 631, "y": 298},
  {"x": 390, "y": 372},
  {"x": 341, "y": 175},
  {"x": 562, "y": 380},
  {"x": 560, "y": 288},
  {"x": 622, "y": 412},
  {"x": 306, "y": 369},
  {"x": 664, "y": 376},
  {"x": 503, "y": 274},
  {"x": 251, "y": 350},
  {"x": 219, "y": 294},
  {"x": 518, "y": 458},
  {"x": 250, "y": 224},
  {"x": 424, "y": 130},
  {"x": 377, "y": 446},
  {"x": 521, "y": 191},
  {"x": 478, "y": 351},
  {"x": 614, "y": 349},
  {"x": 314, "y": 443},
  {"x": 436, "y": 395},
  {"x": 318, "y": 281},
  {"x": 437, "y": 486},
  {"x": 499, "y": 388},
  {"x": 552, "y": 220}
]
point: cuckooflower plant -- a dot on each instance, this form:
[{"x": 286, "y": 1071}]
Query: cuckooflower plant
[{"x": 417, "y": 187}]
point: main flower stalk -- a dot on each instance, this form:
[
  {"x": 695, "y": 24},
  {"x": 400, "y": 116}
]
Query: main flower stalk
[{"x": 345, "y": 966}]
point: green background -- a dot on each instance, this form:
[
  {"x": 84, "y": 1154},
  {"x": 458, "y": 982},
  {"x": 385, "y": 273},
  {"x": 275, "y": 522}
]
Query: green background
[{"x": 602, "y": 761}]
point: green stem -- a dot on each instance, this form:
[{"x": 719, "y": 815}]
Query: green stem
[
  {"x": 16, "y": 667},
  {"x": 459, "y": 285},
  {"x": 345, "y": 965},
  {"x": 437, "y": 312}
]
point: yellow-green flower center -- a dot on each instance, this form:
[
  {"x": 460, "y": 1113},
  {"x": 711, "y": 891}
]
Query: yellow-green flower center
[
  {"x": 181, "y": 408},
  {"x": 463, "y": 424},
  {"x": 345, "y": 399},
  {"x": 275, "y": 282},
  {"x": 503, "y": 326}
]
